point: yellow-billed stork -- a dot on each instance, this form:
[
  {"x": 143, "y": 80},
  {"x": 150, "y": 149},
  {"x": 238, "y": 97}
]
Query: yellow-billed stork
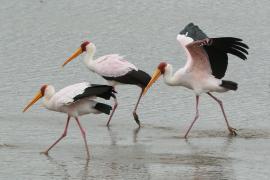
[
  {"x": 206, "y": 65},
  {"x": 74, "y": 100},
  {"x": 115, "y": 69}
]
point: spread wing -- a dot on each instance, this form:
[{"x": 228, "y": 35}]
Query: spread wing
[
  {"x": 214, "y": 50},
  {"x": 113, "y": 65},
  {"x": 217, "y": 50}
]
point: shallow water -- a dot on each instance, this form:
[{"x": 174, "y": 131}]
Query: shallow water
[{"x": 38, "y": 35}]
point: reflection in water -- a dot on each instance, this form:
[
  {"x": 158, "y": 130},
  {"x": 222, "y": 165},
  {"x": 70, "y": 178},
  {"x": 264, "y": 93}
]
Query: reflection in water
[
  {"x": 112, "y": 136},
  {"x": 62, "y": 167},
  {"x": 135, "y": 134},
  {"x": 123, "y": 161},
  {"x": 85, "y": 171},
  {"x": 217, "y": 161}
]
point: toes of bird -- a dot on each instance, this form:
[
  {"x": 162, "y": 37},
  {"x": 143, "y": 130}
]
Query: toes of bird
[
  {"x": 45, "y": 153},
  {"x": 232, "y": 132}
]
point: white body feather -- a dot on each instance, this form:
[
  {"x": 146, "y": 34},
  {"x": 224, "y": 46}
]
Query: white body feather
[
  {"x": 112, "y": 65},
  {"x": 62, "y": 101},
  {"x": 196, "y": 74}
]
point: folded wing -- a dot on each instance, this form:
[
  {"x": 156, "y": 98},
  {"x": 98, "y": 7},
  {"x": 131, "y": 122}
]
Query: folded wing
[{"x": 85, "y": 90}]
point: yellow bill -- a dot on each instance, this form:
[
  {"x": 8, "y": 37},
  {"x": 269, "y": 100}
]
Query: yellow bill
[
  {"x": 34, "y": 100},
  {"x": 73, "y": 56},
  {"x": 154, "y": 78}
]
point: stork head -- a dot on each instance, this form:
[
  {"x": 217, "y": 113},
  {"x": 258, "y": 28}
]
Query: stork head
[
  {"x": 40, "y": 94},
  {"x": 161, "y": 68},
  {"x": 86, "y": 46}
]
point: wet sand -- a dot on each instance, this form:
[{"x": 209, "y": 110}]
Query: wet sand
[{"x": 123, "y": 152}]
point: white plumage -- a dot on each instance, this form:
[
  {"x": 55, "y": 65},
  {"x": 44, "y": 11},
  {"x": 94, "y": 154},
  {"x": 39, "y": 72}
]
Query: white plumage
[
  {"x": 206, "y": 64},
  {"x": 74, "y": 100},
  {"x": 63, "y": 100},
  {"x": 65, "y": 96},
  {"x": 197, "y": 58},
  {"x": 112, "y": 65},
  {"x": 115, "y": 69}
]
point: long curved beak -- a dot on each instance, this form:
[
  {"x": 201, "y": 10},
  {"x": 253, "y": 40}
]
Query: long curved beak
[
  {"x": 33, "y": 101},
  {"x": 154, "y": 78},
  {"x": 73, "y": 56}
]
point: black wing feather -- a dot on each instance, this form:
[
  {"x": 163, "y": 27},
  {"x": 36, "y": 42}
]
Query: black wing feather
[
  {"x": 239, "y": 48},
  {"x": 227, "y": 45},
  {"x": 236, "y": 53},
  {"x": 139, "y": 78},
  {"x": 218, "y": 67},
  {"x": 102, "y": 91},
  {"x": 218, "y": 49}
]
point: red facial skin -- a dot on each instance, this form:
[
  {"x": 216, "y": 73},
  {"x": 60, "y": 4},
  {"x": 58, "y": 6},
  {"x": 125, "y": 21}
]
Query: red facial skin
[
  {"x": 162, "y": 67},
  {"x": 42, "y": 89},
  {"x": 84, "y": 44}
]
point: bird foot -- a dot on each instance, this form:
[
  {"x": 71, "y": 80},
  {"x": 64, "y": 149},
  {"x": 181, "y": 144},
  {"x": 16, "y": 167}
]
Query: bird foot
[
  {"x": 136, "y": 118},
  {"x": 232, "y": 131},
  {"x": 45, "y": 153}
]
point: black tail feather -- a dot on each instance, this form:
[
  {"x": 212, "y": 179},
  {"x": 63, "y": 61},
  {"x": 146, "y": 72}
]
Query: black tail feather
[
  {"x": 229, "y": 85},
  {"x": 104, "y": 108}
]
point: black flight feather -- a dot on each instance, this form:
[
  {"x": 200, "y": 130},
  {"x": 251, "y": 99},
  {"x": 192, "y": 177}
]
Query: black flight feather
[
  {"x": 139, "y": 78},
  {"x": 102, "y": 91},
  {"x": 218, "y": 48}
]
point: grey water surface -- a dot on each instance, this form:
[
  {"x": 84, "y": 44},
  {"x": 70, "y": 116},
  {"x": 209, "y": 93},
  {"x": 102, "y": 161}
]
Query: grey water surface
[{"x": 38, "y": 35}]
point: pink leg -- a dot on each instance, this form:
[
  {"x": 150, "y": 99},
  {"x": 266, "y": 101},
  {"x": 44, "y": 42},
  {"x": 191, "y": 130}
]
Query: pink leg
[
  {"x": 113, "y": 110},
  {"x": 84, "y": 137},
  {"x": 63, "y": 135},
  {"x": 232, "y": 130},
  {"x": 136, "y": 117},
  {"x": 195, "y": 118}
]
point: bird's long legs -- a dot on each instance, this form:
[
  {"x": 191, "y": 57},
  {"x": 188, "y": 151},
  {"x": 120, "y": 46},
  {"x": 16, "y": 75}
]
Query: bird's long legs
[
  {"x": 59, "y": 139},
  {"x": 113, "y": 110},
  {"x": 196, "y": 116},
  {"x": 84, "y": 137},
  {"x": 232, "y": 130},
  {"x": 136, "y": 117}
]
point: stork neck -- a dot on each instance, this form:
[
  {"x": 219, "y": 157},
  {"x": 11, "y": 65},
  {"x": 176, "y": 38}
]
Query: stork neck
[
  {"x": 89, "y": 55},
  {"x": 49, "y": 92},
  {"x": 169, "y": 78}
]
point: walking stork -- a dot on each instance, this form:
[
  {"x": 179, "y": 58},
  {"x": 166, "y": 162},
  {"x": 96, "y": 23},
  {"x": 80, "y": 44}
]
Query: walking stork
[
  {"x": 206, "y": 65},
  {"x": 113, "y": 68},
  {"x": 74, "y": 100}
]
